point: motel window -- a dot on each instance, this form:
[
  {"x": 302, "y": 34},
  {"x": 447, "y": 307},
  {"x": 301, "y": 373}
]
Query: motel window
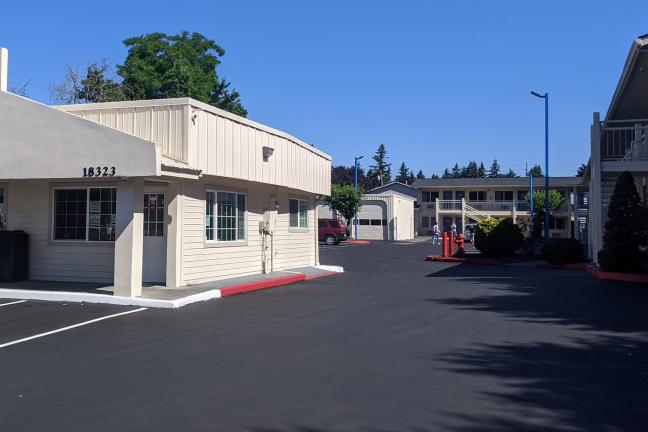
[
  {"x": 85, "y": 214},
  {"x": 425, "y": 222},
  {"x": 225, "y": 216},
  {"x": 428, "y": 196},
  {"x": 376, "y": 222},
  {"x": 298, "y": 213},
  {"x": 503, "y": 195},
  {"x": 558, "y": 223},
  {"x": 477, "y": 196},
  {"x": 364, "y": 222}
]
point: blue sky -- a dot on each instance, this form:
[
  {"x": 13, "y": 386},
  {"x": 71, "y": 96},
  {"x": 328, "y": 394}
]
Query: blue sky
[{"x": 437, "y": 82}]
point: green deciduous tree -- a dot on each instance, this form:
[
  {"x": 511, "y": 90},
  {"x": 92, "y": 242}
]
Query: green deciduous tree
[
  {"x": 626, "y": 230},
  {"x": 345, "y": 199},
  {"x": 555, "y": 200},
  {"x": 157, "y": 66}
]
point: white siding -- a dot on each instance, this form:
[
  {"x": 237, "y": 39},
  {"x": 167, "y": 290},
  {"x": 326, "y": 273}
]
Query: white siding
[
  {"x": 217, "y": 142},
  {"x": 164, "y": 125},
  {"x": 30, "y": 210},
  {"x": 225, "y": 147},
  {"x": 203, "y": 262}
]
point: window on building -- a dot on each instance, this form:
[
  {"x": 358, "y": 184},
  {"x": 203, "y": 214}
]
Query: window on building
[
  {"x": 503, "y": 195},
  {"x": 376, "y": 222},
  {"x": 428, "y": 196},
  {"x": 558, "y": 223},
  {"x": 298, "y": 213},
  {"x": 477, "y": 196},
  {"x": 425, "y": 222},
  {"x": 85, "y": 214},
  {"x": 364, "y": 221},
  {"x": 153, "y": 215},
  {"x": 225, "y": 216}
]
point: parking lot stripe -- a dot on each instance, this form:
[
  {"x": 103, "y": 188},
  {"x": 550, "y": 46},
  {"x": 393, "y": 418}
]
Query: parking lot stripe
[
  {"x": 4, "y": 345},
  {"x": 14, "y": 302}
]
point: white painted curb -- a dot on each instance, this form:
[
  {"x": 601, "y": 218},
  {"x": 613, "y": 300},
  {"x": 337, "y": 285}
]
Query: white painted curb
[
  {"x": 80, "y": 297},
  {"x": 334, "y": 269}
]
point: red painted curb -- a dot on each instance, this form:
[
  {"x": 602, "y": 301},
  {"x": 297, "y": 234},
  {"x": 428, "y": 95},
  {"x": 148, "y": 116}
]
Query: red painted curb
[
  {"x": 437, "y": 258},
  {"x": 358, "y": 242},
  {"x": 600, "y": 274},
  {"x": 259, "y": 285},
  {"x": 320, "y": 276}
]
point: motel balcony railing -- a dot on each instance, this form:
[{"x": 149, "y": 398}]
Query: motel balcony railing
[{"x": 624, "y": 140}]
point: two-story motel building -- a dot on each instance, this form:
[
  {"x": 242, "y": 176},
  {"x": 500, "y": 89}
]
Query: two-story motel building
[{"x": 466, "y": 200}]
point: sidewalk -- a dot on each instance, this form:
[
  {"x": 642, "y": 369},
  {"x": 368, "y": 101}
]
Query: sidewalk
[{"x": 160, "y": 296}]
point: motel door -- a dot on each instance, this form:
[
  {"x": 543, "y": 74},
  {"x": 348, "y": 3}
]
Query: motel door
[{"x": 154, "y": 259}]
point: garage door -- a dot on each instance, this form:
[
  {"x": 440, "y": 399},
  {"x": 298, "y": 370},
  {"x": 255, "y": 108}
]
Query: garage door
[{"x": 372, "y": 224}]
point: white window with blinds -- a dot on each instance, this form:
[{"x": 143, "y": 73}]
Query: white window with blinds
[
  {"x": 225, "y": 216},
  {"x": 298, "y": 214}
]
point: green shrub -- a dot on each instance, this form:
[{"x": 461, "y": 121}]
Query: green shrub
[
  {"x": 626, "y": 230},
  {"x": 497, "y": 236},
  {"x": 562, "y": 251}
]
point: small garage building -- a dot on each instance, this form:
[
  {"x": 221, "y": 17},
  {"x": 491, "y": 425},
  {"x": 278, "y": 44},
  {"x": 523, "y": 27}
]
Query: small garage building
[{"x": 386, "y": 216}]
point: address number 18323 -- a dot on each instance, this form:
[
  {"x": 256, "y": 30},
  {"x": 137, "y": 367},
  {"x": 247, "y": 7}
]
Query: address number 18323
[{"x": 99, "y": 171}]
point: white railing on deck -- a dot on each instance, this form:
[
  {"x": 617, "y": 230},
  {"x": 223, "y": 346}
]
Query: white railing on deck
[{"x": 620, "y": 142}]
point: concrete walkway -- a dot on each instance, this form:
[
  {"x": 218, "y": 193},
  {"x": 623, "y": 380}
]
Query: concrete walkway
[{"x": 159, "y": 296}]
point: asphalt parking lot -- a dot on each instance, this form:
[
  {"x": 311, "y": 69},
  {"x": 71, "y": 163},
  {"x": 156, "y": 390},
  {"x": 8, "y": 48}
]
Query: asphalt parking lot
[{"x": 393, "y": 344}]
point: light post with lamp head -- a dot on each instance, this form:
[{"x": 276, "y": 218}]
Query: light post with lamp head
[
  {"x": 355, "y": 184},
  {"x": 546, "y": 221}
]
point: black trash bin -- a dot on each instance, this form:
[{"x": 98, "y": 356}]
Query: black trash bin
[{"x": 13, "y": 256}]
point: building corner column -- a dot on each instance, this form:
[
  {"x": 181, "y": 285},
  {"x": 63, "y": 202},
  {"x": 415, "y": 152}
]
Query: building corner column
[
  {"x": 596, "y": 206},
  {"x": 175, "y": 200},
  {"x": 316, "y": 232},
  {"x": 129, "y": 238},
  {"x": 436, "y": 211}
]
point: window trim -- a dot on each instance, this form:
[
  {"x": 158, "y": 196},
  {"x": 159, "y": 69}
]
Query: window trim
[
  {"x": 299, "y": 228},
  {"x": 225, "y": 243},
  {"x": 87, "y": 226}
]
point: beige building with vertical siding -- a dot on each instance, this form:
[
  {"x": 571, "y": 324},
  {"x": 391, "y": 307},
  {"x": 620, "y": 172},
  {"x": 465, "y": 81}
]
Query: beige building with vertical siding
[{"x": 173, "y": 192}]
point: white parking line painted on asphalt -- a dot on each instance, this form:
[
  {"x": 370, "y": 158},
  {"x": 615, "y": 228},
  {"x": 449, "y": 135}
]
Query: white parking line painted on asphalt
[
  {"x": 62, "y": 329},
  {"x": 12, "y": 303}
]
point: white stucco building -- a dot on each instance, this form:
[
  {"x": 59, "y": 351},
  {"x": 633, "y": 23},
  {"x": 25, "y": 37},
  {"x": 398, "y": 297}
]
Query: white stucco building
[{"x": 171, "y": 192}]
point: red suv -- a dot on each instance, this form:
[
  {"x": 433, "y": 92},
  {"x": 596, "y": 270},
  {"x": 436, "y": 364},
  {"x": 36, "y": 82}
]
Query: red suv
[{"x": 331, "y": 231}]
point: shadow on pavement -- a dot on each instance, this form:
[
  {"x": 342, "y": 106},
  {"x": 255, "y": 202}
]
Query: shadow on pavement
[{"x": 595, "y": 380}]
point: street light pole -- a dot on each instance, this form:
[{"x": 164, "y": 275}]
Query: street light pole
[
  {"x": 355, "y": 184},
  {"x": 546, "y": 221}
]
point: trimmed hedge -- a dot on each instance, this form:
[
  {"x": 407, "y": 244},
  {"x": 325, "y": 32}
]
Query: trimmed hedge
[
  {"x": 562, "y": 251},
  {"x": 497, "y": 237}
]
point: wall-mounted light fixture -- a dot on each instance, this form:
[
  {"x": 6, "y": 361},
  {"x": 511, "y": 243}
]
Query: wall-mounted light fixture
[{"x": 267, "y": 152}]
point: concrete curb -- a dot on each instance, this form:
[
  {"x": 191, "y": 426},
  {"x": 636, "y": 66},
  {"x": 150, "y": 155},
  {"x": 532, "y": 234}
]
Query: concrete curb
[{"x": 81, "y": 297}]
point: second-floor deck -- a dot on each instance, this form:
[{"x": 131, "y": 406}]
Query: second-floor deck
[{"x": 624, "y": 140}]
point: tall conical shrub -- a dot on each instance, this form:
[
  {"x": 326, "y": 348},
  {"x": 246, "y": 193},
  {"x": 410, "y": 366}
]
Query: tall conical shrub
[{"x": 626, "y": 230}]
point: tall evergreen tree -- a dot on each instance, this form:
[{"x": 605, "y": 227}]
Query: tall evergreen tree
[
  {"x": 380, "y": 173},
  {"x": 420, "y": 175},
  {"x": 446, "y": 174},
  {"x": 626, "y": 230},
  {"x": 471, "y": 170},
  {"x": 580, "y": 172},
  {"x": 481, "y": 171},
  {"x": 510, "y": 174},
  {"x": 494, "y": 169},
  {"x": 403, "y": 174},
  {"x": 456, "y": 171},
  {"x": 536, "y": 171},
  {"x": 435, "y": 176}
]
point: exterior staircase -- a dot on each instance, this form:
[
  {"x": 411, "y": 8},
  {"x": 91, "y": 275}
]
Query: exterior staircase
[{"x": 475, "y": 214}]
